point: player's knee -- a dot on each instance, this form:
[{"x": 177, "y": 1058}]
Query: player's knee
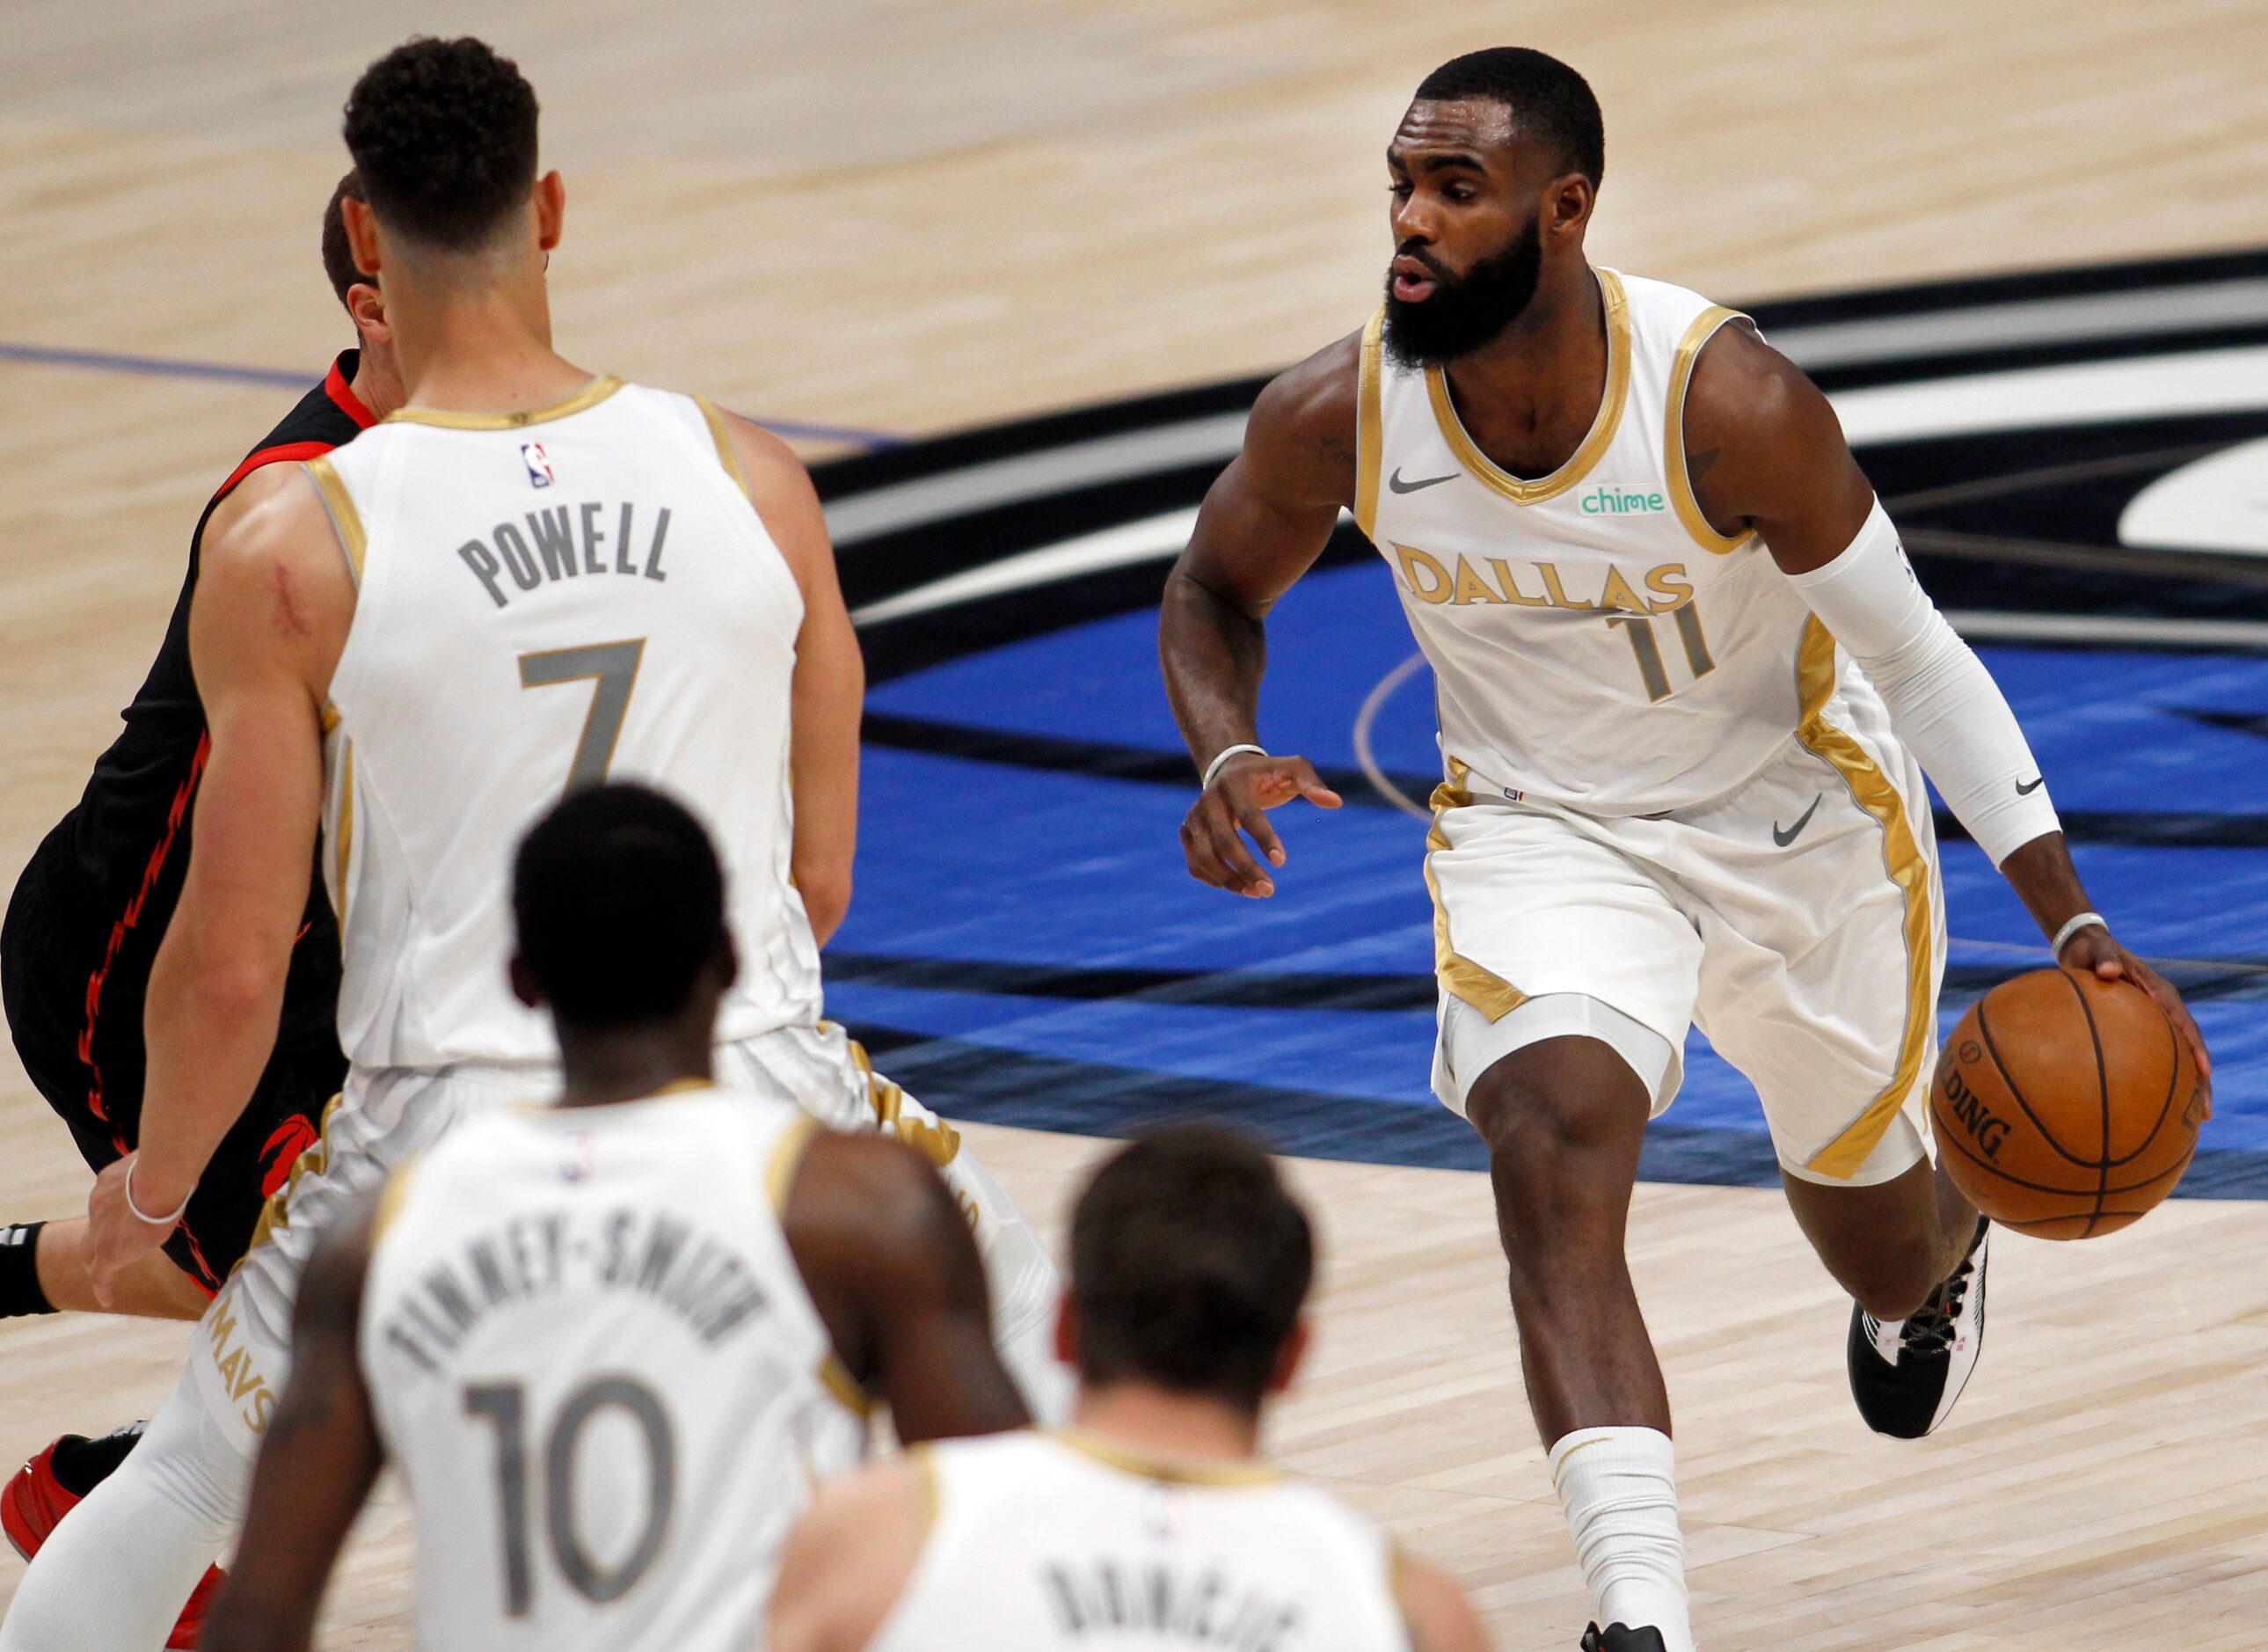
[
  {"x": 1537, "y": 1134},
  {"x": 1890, "y": 1278}
]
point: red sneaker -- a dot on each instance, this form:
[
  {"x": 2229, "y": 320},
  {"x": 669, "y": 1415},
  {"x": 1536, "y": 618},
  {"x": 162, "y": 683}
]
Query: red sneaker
[{"x": 35, "y": 1501}]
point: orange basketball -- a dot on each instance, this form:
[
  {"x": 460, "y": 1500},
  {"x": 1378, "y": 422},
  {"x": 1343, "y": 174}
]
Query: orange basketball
[{"x": 2064, "y": 1105}]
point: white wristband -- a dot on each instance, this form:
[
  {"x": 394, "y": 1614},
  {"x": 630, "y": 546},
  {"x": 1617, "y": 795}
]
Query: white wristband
[
  {"x": 142, "y": 1215},
  {"x": 1213, "y": 768},
  {"x": 2077, "y": 923}
]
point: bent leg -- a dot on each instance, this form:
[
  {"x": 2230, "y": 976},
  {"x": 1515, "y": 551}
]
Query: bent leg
[
  {"x": 114, "y": 1576},
  {"x": 153, "y": 1287},
  {"x": 1888, "y": 1243}
]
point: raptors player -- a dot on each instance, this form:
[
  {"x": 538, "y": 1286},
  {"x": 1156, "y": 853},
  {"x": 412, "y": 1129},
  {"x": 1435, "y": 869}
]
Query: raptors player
[
  {"x": 526, "y": 581},
  {"x": 1688, "y": 685},
  {"x": 609, "y": 1343},
  {"x": 1151, "y": 1522}
]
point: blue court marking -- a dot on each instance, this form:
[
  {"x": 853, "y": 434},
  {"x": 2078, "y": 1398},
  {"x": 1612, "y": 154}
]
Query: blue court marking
[
  {"x": 994, "y": 868},
  {"x": 284, "y": 377}
]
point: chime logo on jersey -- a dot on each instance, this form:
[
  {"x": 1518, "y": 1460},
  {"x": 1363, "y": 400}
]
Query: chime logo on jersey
[
  {"x": 538, "y": 463},
  {"x": 1610, "y": 501}
]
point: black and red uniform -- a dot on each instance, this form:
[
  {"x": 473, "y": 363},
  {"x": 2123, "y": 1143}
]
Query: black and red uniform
[{"x": 83, "y": 924}]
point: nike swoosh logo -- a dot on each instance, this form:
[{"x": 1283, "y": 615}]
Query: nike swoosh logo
[
  {"x": 1784, "y": 839},
  {"x": 2038, "y": 780},
  {"x": 1396, "y": 481}
]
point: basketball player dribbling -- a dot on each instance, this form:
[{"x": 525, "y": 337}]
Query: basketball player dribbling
[
  {"x": 1152, "y": 1521},
  {"x": 527, "y": 580},
  {"x": 1688, "y": 685},
  {"x": 606, "y": 1341}
]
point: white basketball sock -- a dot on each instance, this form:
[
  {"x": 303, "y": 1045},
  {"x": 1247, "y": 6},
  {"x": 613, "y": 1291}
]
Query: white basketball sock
[{"x": 1619, "y": 1487}]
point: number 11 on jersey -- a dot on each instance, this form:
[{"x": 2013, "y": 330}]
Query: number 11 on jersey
[{"x": 1651, "y": 670}]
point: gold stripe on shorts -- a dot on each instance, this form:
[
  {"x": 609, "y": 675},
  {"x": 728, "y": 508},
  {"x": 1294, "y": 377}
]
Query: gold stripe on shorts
[
  {"x": 312, "y": 1161},
  {"x": 1908, "y": 869},
  {"x": 1468, "y": 982}
]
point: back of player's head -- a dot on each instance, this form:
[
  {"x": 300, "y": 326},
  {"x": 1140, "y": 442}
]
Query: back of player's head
[
  {"x": 1550, "y": 102},
  {"x": 338, "y": 255},
  {"x": 620, "y": 905},
  {"x": 443, "y": 133},
  {"x": 1189, "y": 1262}
]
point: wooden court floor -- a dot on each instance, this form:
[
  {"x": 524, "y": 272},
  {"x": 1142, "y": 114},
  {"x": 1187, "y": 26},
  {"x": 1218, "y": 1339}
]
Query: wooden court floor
[{"x": 902, "y": 216}]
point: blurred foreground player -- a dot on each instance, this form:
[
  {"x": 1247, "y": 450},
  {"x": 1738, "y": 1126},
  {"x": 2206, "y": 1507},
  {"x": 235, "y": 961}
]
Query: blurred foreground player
[
  {"x": 527, "y": 579},
  {"x": 1688, "y": 685},
  {"x": 1152, "y": 1521},
  {"x": 82, "y": 930},
  {"x": 601, "y": 1340}
]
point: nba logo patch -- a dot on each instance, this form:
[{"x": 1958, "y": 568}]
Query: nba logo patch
[{"x": 538, "y": 463}]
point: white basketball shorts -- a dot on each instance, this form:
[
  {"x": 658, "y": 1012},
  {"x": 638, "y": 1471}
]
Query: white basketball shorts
[
  {"x": 240, "y": 1351},
  {"x": 1799, "y": 921}
]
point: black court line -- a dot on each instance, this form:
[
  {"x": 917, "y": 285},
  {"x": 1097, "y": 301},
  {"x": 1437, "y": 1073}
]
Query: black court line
[
  {"x": 1105, "y": 760},
  {"x": 972, "y": 1081},
  {"x": 2202, "y": 980}
]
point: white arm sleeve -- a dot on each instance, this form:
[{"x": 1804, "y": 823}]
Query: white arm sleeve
[{"x": 1942, "y": 702}]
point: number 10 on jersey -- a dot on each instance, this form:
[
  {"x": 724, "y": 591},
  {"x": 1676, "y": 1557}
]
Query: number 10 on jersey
[{"x": 1651, "y": 670}]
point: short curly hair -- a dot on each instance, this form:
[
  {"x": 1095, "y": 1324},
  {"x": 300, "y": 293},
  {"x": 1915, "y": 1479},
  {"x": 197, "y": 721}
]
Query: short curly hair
[
  {"x": 1548, "y": 98},
  {"x": 443, "y": 134}
]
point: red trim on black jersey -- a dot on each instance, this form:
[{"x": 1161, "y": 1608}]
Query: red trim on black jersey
[
  {"x": 125, "y": 926},
  {"x": 283, "y": 452},
  {"x": 343, "y": 396}
]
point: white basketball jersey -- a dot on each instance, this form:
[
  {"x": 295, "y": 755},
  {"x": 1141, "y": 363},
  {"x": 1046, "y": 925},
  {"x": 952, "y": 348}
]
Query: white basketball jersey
[
  {"x": 548, "y": 599},
  {"x": 1594, "y": 643},
  {"x": 1048, "y": 1542},
  {"x": 596, "y": 1365}
]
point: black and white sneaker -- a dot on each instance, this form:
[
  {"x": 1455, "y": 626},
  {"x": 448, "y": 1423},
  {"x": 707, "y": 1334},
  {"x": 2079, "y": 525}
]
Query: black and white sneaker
[
  {"x": 1620, "y": 1638},
  {"x": 1905, "y": 1374}
]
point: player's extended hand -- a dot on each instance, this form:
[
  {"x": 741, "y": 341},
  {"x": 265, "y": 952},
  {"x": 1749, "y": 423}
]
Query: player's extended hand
[
  {"x": 2094, "y": 948},
  {"x": 1235, "y": 805},
  {"x": 117, "y": 1238}
]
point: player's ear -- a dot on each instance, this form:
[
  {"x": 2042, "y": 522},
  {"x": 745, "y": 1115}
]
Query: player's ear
[
  {"x": 1067, "y": 1332},
  {"x": 367, "y": 305},
  {"x": 1290, "y": 1357},
  {"x": 1567, "y": 203},
  {"x": 728, "y": 962},
  {"x": 361, "y": 225},
  {"x": 523, "y": 984},
  {"x": 550, "y": 209}
]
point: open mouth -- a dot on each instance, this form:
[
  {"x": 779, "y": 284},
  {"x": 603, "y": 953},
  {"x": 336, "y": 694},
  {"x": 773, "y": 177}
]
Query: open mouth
[{"x": 1412, "y": 281}]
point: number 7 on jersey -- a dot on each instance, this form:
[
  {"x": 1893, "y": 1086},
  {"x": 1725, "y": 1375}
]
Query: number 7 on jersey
[{"x": 612, "y": 668}]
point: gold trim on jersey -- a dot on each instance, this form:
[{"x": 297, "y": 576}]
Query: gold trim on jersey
[
  {"x": 1369, "y": 426},
  {"x": 835, "y": 1377},
  {"x": 1470, "y": 983},
  {"x": 343, "y": 850},
  {"x": 1673, "y": 446},
  {"x": 787, "y": 1159},
  {"x": 589, "y": 396},
  {"x": 1602, "y": 426},
  {"x": 1173, "y": 1472},
  {"x": 728, "y": 451},
  {"x": 346, "y": 521},
  {"x": 1908, "y": 869},
  {"x": 920, "y": 1459}
]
